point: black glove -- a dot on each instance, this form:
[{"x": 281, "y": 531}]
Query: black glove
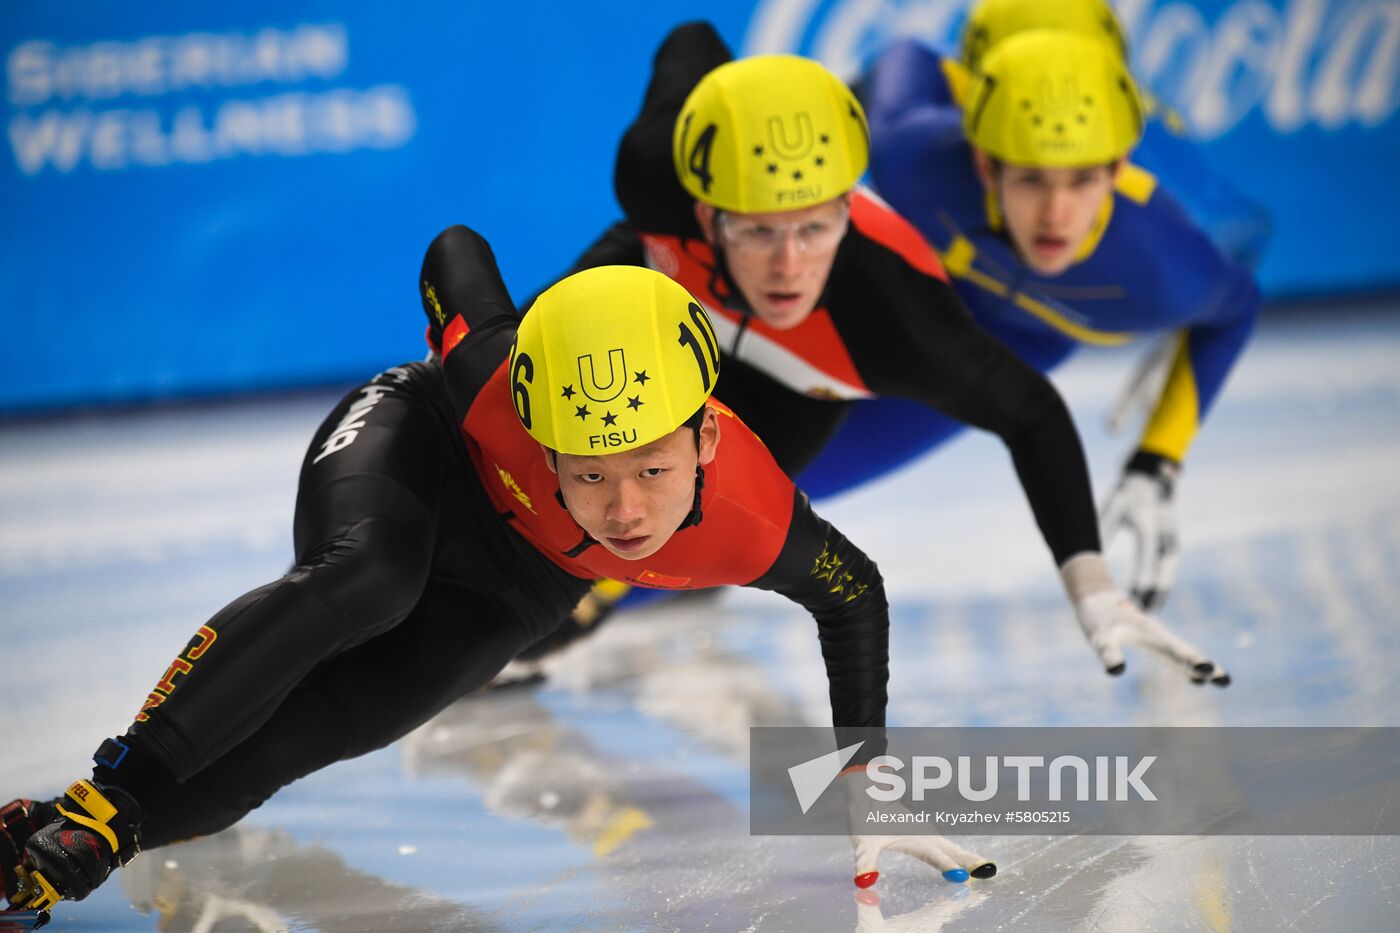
[{"x": 96, "y": 828}]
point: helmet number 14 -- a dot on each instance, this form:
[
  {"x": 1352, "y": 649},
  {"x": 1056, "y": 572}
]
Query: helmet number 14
[{"x": 699, "y": 159}]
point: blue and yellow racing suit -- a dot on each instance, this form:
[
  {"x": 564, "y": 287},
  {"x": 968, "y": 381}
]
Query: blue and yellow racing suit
[{"x": 1147, "y": 267}]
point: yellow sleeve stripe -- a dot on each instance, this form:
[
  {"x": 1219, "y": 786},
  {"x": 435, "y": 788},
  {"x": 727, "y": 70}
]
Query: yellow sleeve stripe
[
  {"x": 1173, "y": 424},
  {"x": 959, "y": 80},
  {"x": 958, "y": 261},
  {"x": 1135, "y": 183}
]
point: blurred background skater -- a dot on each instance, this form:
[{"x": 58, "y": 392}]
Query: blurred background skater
[{"x": 1015, "y": 164}]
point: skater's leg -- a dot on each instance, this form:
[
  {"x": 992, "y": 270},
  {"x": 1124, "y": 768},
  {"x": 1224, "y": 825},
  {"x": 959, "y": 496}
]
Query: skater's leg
[
  {"x": 453, "y": 643},
  {"x": 365, "y": 525}
]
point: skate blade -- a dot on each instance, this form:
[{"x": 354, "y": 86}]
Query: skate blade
[{"x": 13, "y": 921}]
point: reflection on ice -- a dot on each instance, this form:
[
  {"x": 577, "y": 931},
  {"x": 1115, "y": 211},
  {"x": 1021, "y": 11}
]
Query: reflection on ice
[
  {"x": 615, "y": 795},
  {"x": 250, "y": 879}
]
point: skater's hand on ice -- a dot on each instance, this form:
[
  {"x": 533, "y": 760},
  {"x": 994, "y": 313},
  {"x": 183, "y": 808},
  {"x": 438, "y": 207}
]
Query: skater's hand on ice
[
  {"x": 870, "y": 918},
  {"x": 1110, "y": 621},
  {"x": 954, "y": 862},
  {"x": 1142, "y": 504}
]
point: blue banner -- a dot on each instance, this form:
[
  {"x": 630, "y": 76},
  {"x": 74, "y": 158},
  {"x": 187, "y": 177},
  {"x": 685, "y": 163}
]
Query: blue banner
[
  {"x": 206, "y": 198},
  {"x": 203, "y": 198}
]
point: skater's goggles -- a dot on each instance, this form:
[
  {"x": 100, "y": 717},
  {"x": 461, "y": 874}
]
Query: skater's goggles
[{"x": 816, "y": 234}]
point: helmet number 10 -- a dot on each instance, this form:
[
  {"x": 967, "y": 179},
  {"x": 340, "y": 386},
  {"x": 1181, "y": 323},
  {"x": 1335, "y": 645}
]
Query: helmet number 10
[{"x": 688, "y": 339}]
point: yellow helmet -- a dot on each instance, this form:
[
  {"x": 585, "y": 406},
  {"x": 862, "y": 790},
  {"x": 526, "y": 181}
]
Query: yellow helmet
[
  {"x": 991, "y": 21},
  {"x": 610, "y": 359},
  {"x": 1052, "y": 98},
  {"x": 770, "y": 133}
]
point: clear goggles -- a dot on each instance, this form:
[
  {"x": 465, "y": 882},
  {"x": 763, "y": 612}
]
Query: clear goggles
[{"x": 814, "y": 234}]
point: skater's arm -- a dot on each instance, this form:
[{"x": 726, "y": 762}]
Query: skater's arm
[
  {"x": 924, "y": 345},
  {"x": 471, "y": 317},
  {"x": 644, "y": 176},
  {"x": 918, "y": 156},
  {"x": 911, "y": 100},
  {"x": 842, "y": 588},
  {"x": 1206, "y": 352},
  {"x": 1191, "y": 286}
]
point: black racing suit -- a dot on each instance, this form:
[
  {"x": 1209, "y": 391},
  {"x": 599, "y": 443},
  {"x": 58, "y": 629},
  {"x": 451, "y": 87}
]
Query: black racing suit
[
  {"x": 412, "y": 587},
  {"x": 408, "y": 593},
  {"x": 894, "y": 315}
]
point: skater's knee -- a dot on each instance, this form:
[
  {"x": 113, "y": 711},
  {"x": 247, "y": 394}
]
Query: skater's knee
[{"x": 374, "y": 572}]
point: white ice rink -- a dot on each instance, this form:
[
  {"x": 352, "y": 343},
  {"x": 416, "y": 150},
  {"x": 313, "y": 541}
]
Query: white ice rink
[{"x": 616, "y": 796}]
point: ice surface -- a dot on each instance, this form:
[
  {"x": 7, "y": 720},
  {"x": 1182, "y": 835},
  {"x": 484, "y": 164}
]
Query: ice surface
[{"x": 616, "y": 796}]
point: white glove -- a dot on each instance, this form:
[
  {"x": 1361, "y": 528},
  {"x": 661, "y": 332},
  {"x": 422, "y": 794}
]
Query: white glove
[
  {"x": 1110, "y": 621},
  {"x": 956, "y": 863},
  {"x": 1142, "y": 503}
]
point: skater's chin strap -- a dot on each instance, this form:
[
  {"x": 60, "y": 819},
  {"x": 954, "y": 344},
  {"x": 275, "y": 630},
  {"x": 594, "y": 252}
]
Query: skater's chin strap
[
  {"x": 723, "y": 286},
  {"x": 695, "y": 513}
]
